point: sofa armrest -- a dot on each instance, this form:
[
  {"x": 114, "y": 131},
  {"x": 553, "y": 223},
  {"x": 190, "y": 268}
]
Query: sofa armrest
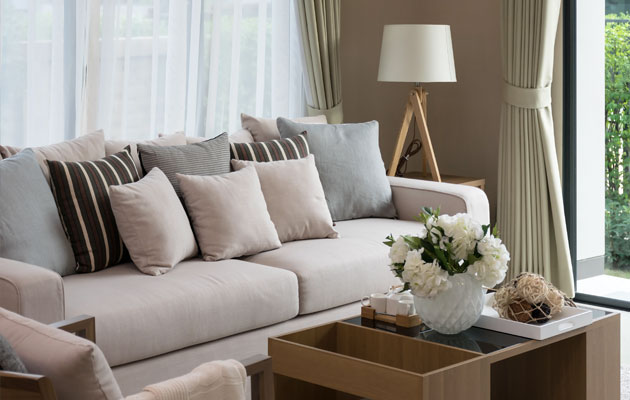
[
  {"x": 83, "y": 326},
  {"x": 410, "y": 195},
  {"x": 31, "y": 291}
]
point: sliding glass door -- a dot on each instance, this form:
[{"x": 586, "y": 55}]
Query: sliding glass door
[{"x": 596, "y": 147}]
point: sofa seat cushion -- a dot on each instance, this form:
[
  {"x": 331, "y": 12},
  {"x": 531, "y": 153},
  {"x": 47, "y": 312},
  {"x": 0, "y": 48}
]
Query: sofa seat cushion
[
  {"x": 332, "y": 272},
  {"x": 140, "y": 316}
]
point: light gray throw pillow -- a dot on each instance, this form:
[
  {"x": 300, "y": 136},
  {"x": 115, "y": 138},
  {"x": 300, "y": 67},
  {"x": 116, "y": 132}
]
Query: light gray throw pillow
[
  {"x": 9, "y": 360},
  {"x": 30, "y": 228},
  {"x": 350, "y": 167}
]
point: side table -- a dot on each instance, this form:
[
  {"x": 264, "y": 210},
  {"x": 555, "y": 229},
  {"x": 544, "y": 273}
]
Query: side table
[{"x": 459, "y": 180}]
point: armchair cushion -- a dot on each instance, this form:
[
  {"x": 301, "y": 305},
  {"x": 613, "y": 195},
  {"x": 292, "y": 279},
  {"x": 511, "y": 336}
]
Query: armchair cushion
[
  {"x": 76, "y": 367},
  {"x": 216, "y": 380}
]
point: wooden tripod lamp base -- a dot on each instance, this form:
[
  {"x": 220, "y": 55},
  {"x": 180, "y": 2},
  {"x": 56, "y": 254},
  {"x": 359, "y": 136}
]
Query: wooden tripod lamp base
[{"x": 416, "y": 106}]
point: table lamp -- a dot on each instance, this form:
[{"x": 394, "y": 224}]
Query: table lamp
[{"x": 419, "y": 54}]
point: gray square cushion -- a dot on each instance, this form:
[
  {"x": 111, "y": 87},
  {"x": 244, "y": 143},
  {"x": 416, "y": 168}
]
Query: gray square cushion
[
  {"x": 350, "y": 167},
  {"x": 210, "y": 157},
  {"x": 9, "y": 360},
  {"x": 30, "y": 228}
]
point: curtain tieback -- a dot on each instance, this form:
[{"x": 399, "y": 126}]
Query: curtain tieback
[
  {"x": 334, "y": 115},
  {"x": 527, "y": 97}
]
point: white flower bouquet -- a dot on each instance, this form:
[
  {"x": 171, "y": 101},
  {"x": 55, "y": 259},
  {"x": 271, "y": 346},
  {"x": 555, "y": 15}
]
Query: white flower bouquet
[{"x": 447, "y": 245}]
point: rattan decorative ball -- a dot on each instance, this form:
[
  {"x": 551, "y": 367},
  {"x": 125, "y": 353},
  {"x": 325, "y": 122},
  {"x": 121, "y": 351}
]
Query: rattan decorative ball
[{"x": 529, "y": 298}]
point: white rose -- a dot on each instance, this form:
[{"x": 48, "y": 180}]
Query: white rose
[
  {"x": 487, "y": 271},
  {"x": 425, "y": 279},
  {"x": 492, "y": 266},
  {"x": 423, "y": 232},
  {"x": 398, "y": 251},
  {"x": 464, "y": 232}
]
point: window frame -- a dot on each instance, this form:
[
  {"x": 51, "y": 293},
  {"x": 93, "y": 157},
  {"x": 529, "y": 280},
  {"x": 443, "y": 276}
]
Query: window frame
[{"x": 569, "y": 150}]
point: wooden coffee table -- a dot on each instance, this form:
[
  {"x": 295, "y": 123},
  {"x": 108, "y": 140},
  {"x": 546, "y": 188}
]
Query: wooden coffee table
[{"x": 355, "y": 359}]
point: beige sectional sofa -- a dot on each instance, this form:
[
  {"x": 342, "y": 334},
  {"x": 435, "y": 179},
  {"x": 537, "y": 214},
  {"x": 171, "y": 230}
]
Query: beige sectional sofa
[{"x": 153, "y": 328}]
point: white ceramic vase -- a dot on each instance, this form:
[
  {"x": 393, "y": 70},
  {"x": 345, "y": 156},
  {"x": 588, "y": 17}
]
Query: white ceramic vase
[{"x": 455, "y": 309}]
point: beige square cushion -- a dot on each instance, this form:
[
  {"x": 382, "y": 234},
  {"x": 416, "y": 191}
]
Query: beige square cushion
[
  {"x": 116, "y": 146},
  {"x": 152, "y": 223},
  {"x": 229, "y": 214},
  {"x": 265, "y": 129},
  {"x": 295, "y": 198},
  {"x": 76, "y": 367},
  {"x": 84, "y": 148}
]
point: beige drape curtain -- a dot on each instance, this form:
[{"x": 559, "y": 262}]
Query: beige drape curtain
[
  {"x": 530, "y": 213},
  {"x": 321, "y": 34}
]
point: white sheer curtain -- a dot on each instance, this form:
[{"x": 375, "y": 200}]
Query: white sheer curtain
[{"x": 136, "y": 68}]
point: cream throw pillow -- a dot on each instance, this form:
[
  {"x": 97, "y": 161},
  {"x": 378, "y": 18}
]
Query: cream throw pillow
[
  {"x": 152, "y": 223},
  {"x": 229, "y": 214},
  {"x": 266, "y": 129},
  {"x": 295, "y": 198}
]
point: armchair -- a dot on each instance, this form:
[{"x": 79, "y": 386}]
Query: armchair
[{"x": 41, "y": 387}]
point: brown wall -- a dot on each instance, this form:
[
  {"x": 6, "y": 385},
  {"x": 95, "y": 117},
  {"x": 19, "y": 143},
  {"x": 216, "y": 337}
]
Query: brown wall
[{"x": 463, "y": 117}]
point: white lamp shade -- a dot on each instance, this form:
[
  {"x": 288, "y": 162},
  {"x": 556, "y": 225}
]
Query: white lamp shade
[{"x": 417, "y": 53}]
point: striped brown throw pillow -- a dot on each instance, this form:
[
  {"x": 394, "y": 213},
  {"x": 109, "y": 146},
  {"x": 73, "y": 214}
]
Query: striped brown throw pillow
[
  {"x": 291, "y": 148},
  {"x": 81, "y": 192}
]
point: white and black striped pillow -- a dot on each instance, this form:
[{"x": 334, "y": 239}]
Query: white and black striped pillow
[
  {"x": 292, "y": 148},
  {"x": 81, "y": 190},
  {"x": 210, "y": 157}
]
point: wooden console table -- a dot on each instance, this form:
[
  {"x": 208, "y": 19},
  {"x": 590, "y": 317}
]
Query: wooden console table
[{"x": 348, "y": 360}]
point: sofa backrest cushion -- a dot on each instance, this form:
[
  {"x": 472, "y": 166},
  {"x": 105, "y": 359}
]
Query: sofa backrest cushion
[
  {"x": 81, "y": 190},
  {"x": 241, "y": 136},
  {"x": 30, "y": 228},
  {"x": 210, "y": 157},
  {"x": 350, "y": 166},
  {"x": 83, "y": 148},
  {"x": 8, "y": 151},
  {"x": 265, "y": 129},
  {"x": 76, "y": 367},
  {"x": 116, "y": 146},
  {"x": 152, "y": 223},
  {"x": 273, "y": 150}
]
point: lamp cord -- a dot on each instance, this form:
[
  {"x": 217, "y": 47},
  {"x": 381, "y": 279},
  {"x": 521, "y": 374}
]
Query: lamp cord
[{"x": 413, "y": 148}]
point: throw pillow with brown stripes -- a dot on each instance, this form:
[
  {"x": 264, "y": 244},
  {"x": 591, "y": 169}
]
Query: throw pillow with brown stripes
[
  {"x": 81, "y": 190},
  {"x": 292, "y": 148}
]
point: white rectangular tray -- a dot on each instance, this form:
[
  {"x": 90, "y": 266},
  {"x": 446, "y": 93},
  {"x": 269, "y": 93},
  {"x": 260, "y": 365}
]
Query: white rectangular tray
[{"x": 568, "y": 319}]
